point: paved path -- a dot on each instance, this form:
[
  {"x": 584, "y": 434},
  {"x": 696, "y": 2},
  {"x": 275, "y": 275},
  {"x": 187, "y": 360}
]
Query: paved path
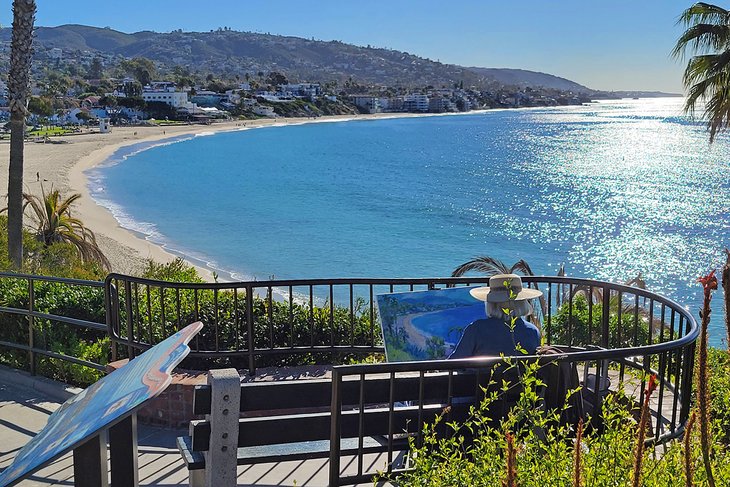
[{"x": 26, "y": 403}]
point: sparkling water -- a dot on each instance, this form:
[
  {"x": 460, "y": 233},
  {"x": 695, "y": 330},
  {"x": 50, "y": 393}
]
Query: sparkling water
[{"x": 611, "y": 189}]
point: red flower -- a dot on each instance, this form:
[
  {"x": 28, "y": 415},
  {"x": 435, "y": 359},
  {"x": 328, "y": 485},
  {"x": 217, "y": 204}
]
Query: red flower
[
  {"x": 709, "y": 282},
  {"x": 652, "y": 385}
]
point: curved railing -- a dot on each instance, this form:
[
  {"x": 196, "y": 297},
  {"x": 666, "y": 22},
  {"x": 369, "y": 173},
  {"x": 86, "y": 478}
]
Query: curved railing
[{"x": 615, "y": 333}]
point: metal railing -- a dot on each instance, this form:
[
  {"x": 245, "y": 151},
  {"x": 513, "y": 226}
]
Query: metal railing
[
  {"x": 669, "y": 412},
  {"x": 252, "y": 324},
  {"x": 289, "y": 318},
  {"x": 26, "y": 308}
]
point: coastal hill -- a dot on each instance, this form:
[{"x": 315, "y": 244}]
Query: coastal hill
[
  {"x": 228, "y": 52},
  {"x": 231, "y": 52},
  {"x": 523, "y": 78}
]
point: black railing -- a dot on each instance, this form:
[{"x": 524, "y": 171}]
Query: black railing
[
  {"x": 290, "y": 318},
  {"x": 669, "y": 411},
  {"x": 37, "y": 321}
]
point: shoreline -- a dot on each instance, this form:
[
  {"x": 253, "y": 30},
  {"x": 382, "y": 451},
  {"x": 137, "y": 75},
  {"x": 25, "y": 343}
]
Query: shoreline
[{"x": 66, "y": 167}]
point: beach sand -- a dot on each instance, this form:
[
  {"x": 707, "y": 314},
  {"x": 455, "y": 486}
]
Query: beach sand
[{"x": 63, "y": 166}]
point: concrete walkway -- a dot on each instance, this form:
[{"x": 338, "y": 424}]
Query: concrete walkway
[{"x": 26, "y": 402}]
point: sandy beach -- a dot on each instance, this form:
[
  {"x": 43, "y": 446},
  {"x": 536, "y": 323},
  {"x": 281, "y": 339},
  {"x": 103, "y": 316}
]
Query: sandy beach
[{"x": 62, "y": 166}]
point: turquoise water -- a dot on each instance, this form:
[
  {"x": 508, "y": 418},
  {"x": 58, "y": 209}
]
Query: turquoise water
[
  {"x": 441, "y": 323},
  {"x": 611, "y": 190}
]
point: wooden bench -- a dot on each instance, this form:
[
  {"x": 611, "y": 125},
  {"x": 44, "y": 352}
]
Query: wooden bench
[{"x": 291, "y": 420}]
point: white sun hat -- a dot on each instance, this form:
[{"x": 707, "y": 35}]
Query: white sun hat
[{"x": 503, "y": 288}]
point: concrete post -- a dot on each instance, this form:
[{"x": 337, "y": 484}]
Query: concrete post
[{"x": 220, "y": 461}]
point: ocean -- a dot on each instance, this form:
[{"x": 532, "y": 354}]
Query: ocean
[{"x": 610, "y": 189}]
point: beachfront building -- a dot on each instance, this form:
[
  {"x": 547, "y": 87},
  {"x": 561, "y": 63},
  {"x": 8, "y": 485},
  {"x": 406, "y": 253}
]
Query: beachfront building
[
  {"x": 310, "y": 91},
  {"x": 367, "y": 103},
  {"x": 176, "y": 99},
  {"x": 415, "y": 102},
  {"x": 440, "y": 104},
  {"x": 207, "y": 98}
]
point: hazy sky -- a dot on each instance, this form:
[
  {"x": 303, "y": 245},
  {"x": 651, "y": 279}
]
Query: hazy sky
[{"x": 612, "y": 45}]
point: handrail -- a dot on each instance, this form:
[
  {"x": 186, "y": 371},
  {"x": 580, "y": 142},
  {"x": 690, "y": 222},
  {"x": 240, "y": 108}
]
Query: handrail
[{"x": 32, "y": 314}]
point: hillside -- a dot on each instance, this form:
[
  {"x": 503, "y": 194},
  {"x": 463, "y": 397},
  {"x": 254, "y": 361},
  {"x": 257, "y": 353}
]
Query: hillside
[
  {"x": 523, "y": 78},
  {"x": 233, "y": 53}
]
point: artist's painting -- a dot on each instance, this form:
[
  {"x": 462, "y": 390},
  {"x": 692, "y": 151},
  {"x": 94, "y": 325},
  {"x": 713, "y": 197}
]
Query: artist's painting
[
  {"x": 426, "y": 325},
  {"x": 102, "y": 404}
]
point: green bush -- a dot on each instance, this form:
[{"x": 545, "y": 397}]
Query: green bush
[
  {"x": 581, "y": 324},
  {"x": 545, "y": 449},
  {"x": 81, "y": 302},
  {"x": 157, "y": 312},
  {"x": 72, "y": 301}
]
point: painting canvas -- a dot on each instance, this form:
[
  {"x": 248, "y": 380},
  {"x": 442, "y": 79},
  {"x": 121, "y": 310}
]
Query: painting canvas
[
  {"x": 102, "y": 404},
  {"x": 426, "y": 325}
]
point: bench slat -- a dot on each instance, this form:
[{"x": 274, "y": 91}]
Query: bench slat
[
  {"x": 289, "y": 452},
  {"x": 273, "y": 430}
]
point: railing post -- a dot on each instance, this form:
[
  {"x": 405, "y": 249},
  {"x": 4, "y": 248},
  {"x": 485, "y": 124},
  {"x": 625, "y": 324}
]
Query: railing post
[
  {"x": 250, "y": 330},
  {"x": 688, "y": 361},
  {"x": 111, "y": 301},
  {"x": 31, "y": 326},
  {"x": 606, "y": 317},
  {"x": 335, "y": 428},
  {"x": 90, "y": 463},
  {"x": 123, "y": 452},
  {"x": 225, "y": 400},
  {"x": 130, "y": 324}
]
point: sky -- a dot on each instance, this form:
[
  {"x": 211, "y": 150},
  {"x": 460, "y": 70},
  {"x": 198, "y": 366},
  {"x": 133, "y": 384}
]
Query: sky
[{"x": 608, "y": 45}]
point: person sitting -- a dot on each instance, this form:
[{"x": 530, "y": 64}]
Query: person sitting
[{"x": 497, "y": 334}]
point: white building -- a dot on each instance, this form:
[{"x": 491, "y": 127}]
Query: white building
[
  {"x": 104, "y": 126},
  {"x": 176, "y": 99},
  {"x": 305, "y": 90}
]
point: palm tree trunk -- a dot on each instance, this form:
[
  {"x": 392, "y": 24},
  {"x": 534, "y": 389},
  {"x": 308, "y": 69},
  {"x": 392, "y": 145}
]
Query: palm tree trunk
[
  {"x": 21, "y": 55},
  {"x": 726, "y": 295}
]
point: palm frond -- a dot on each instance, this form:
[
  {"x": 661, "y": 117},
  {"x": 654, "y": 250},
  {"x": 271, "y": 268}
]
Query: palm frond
[
  {"x": 485, "y": 264},
  {"x": 707, "y": 75},
  {"x": 702, "y": 38},
  {"x": 702, "y": 12},
  {"x": 522, "y": 267}
]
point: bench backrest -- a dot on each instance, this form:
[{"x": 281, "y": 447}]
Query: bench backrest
[
  {"x": 375, "y": 412},
  {"x": 300, "y": 409}
]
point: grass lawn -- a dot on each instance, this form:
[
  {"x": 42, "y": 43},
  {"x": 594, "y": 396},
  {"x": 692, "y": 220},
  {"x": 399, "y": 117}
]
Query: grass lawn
[{"x": 49, "y": 132}]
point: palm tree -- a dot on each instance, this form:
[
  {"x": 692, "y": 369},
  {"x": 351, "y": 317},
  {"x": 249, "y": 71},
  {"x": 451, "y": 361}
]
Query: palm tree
[
  {"x": 707, "y": 76},
  {"x": 21, "y": 54},
  {"x": 54, "y": 224}
]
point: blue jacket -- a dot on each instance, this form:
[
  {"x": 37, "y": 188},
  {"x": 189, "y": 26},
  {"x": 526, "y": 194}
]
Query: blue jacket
[{"x": 492, "y": 337}]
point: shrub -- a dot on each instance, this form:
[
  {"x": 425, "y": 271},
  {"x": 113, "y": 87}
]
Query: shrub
[
  {"x": 157, "y": 312},
  {"x": 545, "y": 450},
  {"x": 581, "y": 325}
]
